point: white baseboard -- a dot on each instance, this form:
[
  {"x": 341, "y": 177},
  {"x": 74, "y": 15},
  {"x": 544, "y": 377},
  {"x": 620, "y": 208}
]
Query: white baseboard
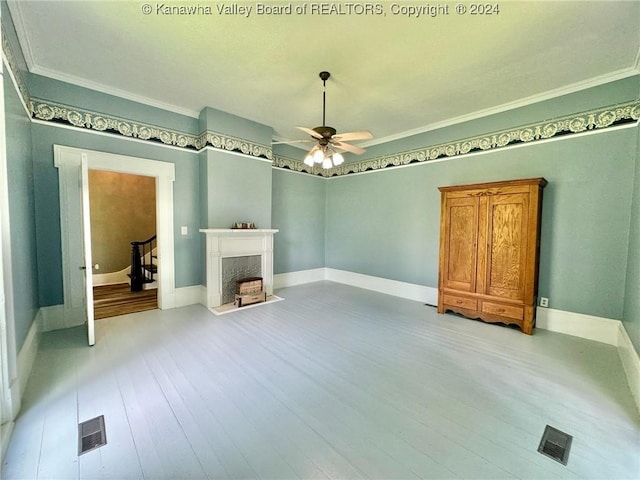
[
  {"x": 112, "y": 278},
  {"x": 6, "y": 429},
  {"x": 599, "y": 329},
  {"x": 406, "y": 290},
  {"x": 28, "y": 352},
  {"x": 190, "y": 296},
  {"x": 281, "y": 280},
  {"x": 409, "y": 291},
  {"x": 56, "y": 317},
  {"x": 630, "y": 362}
]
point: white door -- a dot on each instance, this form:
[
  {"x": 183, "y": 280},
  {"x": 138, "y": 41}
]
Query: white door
[
  {"x": 73, "y": 164},
  {"x": 86, "y": 245}
]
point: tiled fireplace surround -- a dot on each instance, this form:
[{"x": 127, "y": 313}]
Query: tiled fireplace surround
[{"x": 227, "y": 243}]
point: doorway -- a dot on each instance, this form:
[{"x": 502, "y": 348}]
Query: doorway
[
  {"x": 72, "y": 164},
  {"x": 123, "y": 225}
]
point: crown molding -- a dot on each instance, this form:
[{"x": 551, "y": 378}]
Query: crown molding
[
  {"x": 579, "y": 123},
  {"x": 101, "y": 88},
  {"x": 64, "y": 115},
  {"x": 33, "y": 67},
  {"x": 523, "y": 102},
  {"x": 567, "y": 125},
  {"x": 21, "y": 32}
]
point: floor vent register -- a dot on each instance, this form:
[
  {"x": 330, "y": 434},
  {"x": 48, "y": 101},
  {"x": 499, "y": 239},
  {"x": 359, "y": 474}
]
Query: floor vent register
[
  {"x": 555, "y": 444},
  {"x": 91, "y": 435}
]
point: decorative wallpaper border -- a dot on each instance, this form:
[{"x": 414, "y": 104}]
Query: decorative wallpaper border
[
  {"x": 56, "y": 112},
  {"x": 65, "y": 114},
  {"x": 570, "y": 124},
  {"x": 11, "y": 61}
]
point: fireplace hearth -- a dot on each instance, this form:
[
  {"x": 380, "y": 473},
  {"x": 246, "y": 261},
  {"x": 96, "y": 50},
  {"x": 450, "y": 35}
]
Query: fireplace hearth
[{"x": 233, "y": 255}]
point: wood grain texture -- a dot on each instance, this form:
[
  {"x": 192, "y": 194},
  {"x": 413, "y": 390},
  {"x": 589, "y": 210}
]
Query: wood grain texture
[
  {"x": 118, "y": 299},
  {"x": 489, "y": 253},
  {"x": 335, "y": 382}
]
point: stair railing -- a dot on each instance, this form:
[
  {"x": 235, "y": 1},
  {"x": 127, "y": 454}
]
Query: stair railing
[{"x": 142, "y": 272}]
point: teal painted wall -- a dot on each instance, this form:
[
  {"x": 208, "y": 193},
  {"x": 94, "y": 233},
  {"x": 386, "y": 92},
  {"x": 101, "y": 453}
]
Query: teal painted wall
[
  {"x": 386, "y": 223},
  {"x": 612, "y": 93},
  {"x": 631, "y": 317},
  {"x": 229, "y": 124},
  {"x": 299, "y": 213},
  {"x": 589, "y": 256},
  {"x": 188, "y": 258},
  {"x": 238, "y": 190},
  {"x": 21, "y": 212},
  {"x": 87, "y": 99},
  {"x": 235, "y": 188}
]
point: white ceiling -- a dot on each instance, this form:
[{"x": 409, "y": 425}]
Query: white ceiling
[{"x": 391, "y": 74}]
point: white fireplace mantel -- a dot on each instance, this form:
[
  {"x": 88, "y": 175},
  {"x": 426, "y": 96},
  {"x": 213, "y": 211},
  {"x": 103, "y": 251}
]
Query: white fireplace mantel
[{"x": 228, "y": 242}]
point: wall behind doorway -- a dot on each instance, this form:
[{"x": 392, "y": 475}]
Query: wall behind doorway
[{"x": 123, "y": 210}]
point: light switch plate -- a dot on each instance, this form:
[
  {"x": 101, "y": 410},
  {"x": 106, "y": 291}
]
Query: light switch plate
[{"x": 184, "y": 230}]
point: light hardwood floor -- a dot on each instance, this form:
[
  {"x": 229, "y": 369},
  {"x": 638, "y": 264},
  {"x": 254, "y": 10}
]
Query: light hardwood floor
[{"x": 334, "y": 382}]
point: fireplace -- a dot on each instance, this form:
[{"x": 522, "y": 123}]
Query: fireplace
[
  {"x": 235, "y": 269},
  {"x": 233, "y": 255}
]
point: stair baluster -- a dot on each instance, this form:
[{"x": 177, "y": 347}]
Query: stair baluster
[{"x": 142, "y": 272}]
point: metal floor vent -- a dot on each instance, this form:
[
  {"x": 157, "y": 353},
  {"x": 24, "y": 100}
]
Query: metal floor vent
[
  {"x": 555, "y": 444},
  {"x": 91, "y": 435}
]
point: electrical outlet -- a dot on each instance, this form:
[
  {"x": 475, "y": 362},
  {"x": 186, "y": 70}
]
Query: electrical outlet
[
  {"x": 544, "y": 302},
  {"x": 184, "y": 231}
]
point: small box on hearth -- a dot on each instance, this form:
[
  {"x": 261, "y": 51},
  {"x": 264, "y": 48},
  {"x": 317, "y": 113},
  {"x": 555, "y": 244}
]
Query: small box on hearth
[{"x": 248, "y": 291}]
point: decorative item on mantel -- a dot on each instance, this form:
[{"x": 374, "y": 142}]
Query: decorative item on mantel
[{"x": 244, "y": 226}]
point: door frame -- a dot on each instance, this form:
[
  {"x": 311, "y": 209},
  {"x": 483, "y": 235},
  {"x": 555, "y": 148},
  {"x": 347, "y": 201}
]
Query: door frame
[
  {"x": 68, "y": 161},
  {"x": 9, "y": 382}
]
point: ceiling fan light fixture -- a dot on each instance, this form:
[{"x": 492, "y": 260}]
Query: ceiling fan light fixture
[
  {"x": 324, "y": 153},
  {"x": 308, "y": 160}
]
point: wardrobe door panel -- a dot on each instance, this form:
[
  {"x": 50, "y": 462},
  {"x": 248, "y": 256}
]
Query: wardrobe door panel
[
  {"x": 460, "y": 248},
  {"x": 507, "y": 245}
]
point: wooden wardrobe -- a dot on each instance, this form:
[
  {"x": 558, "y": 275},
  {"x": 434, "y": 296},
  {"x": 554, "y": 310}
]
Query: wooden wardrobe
[{"x": 489, "y": 248}]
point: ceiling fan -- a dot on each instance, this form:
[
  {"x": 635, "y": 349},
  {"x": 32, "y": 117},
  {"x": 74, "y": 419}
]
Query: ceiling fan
[{"x": 325, "y": 151}]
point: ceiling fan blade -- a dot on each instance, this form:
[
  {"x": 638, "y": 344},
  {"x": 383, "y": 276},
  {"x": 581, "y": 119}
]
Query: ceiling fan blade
[
  {"x": 289, "y": 142},
  {"x": 311, "y": 132},
  {"x": 362, "y": 135},
  {"x": 349, "y": 148}
]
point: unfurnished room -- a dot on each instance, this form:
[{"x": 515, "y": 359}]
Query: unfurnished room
[{"x": 319, "y": 240}]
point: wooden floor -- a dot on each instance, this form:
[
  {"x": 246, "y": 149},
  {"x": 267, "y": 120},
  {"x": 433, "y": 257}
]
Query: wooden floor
[
  {"x": 333, "y": 382},
  {"x": 118, "y": 299}
]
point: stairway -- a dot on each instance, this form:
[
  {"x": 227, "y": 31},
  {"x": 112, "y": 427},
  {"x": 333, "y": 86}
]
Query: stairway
[{"x": 144, "y": 270}]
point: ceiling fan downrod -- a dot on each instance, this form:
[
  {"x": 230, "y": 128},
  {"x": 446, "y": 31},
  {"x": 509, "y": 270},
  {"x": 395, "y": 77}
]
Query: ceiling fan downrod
[
  {"x": 324, "y": 76},
  {"x": 325, "y": 131}
]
